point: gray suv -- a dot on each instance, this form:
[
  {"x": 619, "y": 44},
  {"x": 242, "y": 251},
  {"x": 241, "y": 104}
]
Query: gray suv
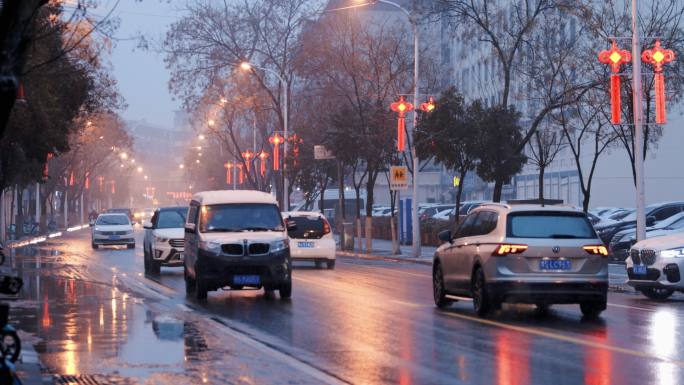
[{"x": 522, "y": 254}]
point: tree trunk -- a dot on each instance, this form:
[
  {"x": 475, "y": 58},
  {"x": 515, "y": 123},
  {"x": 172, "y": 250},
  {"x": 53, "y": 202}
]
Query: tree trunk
[
  {"x": 459, "y": 194},
  {"x": 498, "y": 187},
  {"x": 369, "y": 233},
  {"x": 541, "y": 184}
]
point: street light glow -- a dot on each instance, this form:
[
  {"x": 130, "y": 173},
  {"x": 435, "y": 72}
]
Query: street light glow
[
  {"x": 181, "y": 166},
  {"x": 245, "y": 66},
  {"x": 140, "y": 169},
  {"x": 201, "y": 136},
  {"x": 210, "y": 123},
  {"x": 124, "y": 156}
]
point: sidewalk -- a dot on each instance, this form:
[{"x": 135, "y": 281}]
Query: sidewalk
[
  {"x": 382, "y": 249},
  {"x": 29, "y": 369}
]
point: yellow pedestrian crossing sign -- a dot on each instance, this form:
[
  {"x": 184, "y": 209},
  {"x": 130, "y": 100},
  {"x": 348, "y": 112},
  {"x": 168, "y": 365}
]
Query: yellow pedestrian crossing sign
[
  {"x": 457, "y": 181},
  {"x": 398, "y": 178}
]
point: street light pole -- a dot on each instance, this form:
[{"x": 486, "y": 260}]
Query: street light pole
[
  {"x": 637, "y": 95},
  {"x": 284, "y": 110}
]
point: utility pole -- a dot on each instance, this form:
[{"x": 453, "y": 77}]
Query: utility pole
[{"x": 637, "y": 95}]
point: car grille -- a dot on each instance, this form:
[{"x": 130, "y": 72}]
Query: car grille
[
  {"x": 113, "y": 232},
  {"x": 252, "y": 249},
  {"x": 258, "y": 248},
  {"x": 178, "y": 243},
  {"x": 232, "y": 249},
  {"x": 635, "y": 256},
  {"x": 648, "y": 257}
]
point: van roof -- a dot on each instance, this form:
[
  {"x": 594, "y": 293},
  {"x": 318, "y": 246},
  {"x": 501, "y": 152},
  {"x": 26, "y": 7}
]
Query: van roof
[{"x": 233, "y": 196}]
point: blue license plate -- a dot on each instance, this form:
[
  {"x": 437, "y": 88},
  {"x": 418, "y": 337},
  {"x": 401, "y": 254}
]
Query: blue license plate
[
  {"x": 639, "y": 270},
  {"x": 555, "y": 264},
  {"x": 246, "y": 280},
  {"x": 114, "y": 237},
  {"x": 305, "y": 245}
]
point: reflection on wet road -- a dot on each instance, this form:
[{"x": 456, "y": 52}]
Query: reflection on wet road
[{"x": 366, "y": 322}]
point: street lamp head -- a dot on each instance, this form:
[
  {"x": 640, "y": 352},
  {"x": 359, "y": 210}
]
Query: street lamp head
[
  {"x": 246, "y": 66},
  {"x": 181, "y": 166},
  {"x": 140, "y": 169},
  {"x": 123, "y": 155}
]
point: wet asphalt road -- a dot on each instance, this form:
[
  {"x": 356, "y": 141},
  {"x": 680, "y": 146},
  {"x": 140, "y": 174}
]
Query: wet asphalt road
[{"x": 366, "y": 322}]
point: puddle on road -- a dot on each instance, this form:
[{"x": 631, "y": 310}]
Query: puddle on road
[{"x": 83, "y": 327}]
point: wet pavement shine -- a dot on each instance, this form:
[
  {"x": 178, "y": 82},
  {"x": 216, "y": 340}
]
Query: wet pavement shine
[{"x": 93, "y": 312}]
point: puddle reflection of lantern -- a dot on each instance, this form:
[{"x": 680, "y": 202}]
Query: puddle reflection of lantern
[
  {"x": 401, "y": 107},
  {"x": 657, "y": 56}
]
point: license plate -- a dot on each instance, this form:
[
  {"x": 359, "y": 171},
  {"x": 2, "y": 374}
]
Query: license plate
[
  {"x": 639, "y": 270},
  {"x": 114, "y": 237},
  {"x": 305, "y": 245},
  {"x": 555, "y": 264},
  {"x": 246, "y": 280}
]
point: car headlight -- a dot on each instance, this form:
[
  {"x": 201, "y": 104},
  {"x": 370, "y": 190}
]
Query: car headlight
[
  {"x": 673, "y": 253},
  {"x": 280, "y": 245},
  {"x": 210, "y": 247},
  {"x": 161, "y": 239}
]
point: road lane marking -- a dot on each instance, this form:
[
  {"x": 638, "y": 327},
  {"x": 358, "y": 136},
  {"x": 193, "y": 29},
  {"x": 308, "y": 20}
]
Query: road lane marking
[
  {"x": 631, "y": 307},
  {"x": 564, "y": 338},
  {"x": 302, "y": 366}
]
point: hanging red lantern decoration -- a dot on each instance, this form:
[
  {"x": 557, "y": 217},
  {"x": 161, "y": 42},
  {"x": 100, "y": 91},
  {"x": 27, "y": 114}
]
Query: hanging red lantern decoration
[
  {"x": 615, "y": 57},
  {"x": 657, "y": 57},
  {"x": 401, "y": 107},
  {"x": 276, "y": 140},
  {"x": 87, "y": 181},
  {"x": 113, "y": 187},
  {"x": 247, "y": 156},
  {"x": 101, "y": 180},
  {"x": 229, "y": 172},
  {"x": 21, "y": 96},
  {"x": 241, "y": 175},
  {"x": 428, "y": 106},
  {"x": 262, "y": 162},
  {"x": 296, "y": 140},
  {"x": 71, "y": 179}
]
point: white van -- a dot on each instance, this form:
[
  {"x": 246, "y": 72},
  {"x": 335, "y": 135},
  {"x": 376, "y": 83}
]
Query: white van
[{"x": 236, "y": 239}]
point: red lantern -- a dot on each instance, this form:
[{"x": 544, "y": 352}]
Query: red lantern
[
  {"x": 21, "y": 96},
  {"x": 113, "y": 187},
  {"x": 402, "y": 107},
  {"x": 247, "y": 156},
  {"x": 262, "y": 162},
  {"x": 241, "y": 175},
  {"x": 71, "y": 179},
  {"x": 615, "y": 57},
  {"x": 276, "y": 140},
  {"x": 428, "y": 106},
  {"x": 46, "y": 169},
  {"x": 87, "y": 181},
  {"x": 657, "y": 56},
  {"x": 101, "y": 180},
  {"x": 229, "y": 172}
]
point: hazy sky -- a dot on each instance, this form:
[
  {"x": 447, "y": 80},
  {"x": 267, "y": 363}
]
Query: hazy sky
[{"x": 142, "y": 76}]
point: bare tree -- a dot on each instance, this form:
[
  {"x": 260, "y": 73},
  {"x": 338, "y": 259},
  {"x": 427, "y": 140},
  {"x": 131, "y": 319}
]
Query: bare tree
[{"x": 543, "y": 149}]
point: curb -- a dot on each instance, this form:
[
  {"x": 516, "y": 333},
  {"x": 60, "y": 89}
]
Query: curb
[{"x": 377, "y": 257}]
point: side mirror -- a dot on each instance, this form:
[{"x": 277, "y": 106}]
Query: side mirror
[
  {"x": 444, "y": 235},
  {"x": 650, "y": 221},
  {"x": 148, "y": 225},
  {"x": 190, "y": 228}
]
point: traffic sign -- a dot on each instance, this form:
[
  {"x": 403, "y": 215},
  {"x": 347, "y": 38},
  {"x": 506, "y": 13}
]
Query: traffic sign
[
  {"x": 398, "y": 178},
  {"x": 457, "y": 181},
  {"x": 321, "y": 153}
]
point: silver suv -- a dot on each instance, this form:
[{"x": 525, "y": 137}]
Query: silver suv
[{"x": 522, "y": 254}]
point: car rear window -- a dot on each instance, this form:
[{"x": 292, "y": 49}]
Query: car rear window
[
  {"x": 307, "y": 227},
  {"x": 548, "y": 224}
]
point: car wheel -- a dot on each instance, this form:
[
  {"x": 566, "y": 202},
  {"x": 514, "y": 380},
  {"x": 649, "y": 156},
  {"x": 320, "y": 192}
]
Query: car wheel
[
  {"x": 656, "y": 293},
  {"x": 146, "y": 260},
  {"x": 130, "y": 246},
  {"x": 155, "y": 267},
  {"x": 331, "y": 265},
  {"x": 481, "y": 302},
  {"x": 189, "y": 282},
  {"x": 438, "y": 290},
  {"x": 318, "y": 264},
  {"x": 285, "y": 290},
  {"x": 593, "y": 309},
  {"x": 94, "y": 246},
  {"x": 542, "y": 308}
]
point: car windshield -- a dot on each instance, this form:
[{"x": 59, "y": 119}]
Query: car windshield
[
  {"x": 632, "y": 216},
  {"x": 307, "y": 227},
  {"x": 171, "y": 219},
  {"x": 678, "y": 224},
  {"x": 548, "y": 224},
  {"x": 117, "y": 219},
  {"x": 241, "y": 217}
]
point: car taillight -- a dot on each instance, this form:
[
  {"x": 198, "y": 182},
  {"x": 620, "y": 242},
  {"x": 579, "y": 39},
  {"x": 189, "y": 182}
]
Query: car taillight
[
  {"x": 326, "y": 226},
  {"x": 508, "y": 248},
  {"x": 596, "y": 250}
]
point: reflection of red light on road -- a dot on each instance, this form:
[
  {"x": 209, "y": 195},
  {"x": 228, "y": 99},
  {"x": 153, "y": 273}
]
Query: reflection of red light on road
[
  {"x": 597, "y": 363},
  {"x": 46, "y": 321},
  {"x": 512, "y": 360},
  {"x": 406, "y": 343}
]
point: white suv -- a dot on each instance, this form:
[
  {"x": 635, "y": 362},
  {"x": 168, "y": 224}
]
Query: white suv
[
  {"x": 654, "y": 266},
  {"x": 312, "y": 239},
  {"x": 164, "y": 241}
]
